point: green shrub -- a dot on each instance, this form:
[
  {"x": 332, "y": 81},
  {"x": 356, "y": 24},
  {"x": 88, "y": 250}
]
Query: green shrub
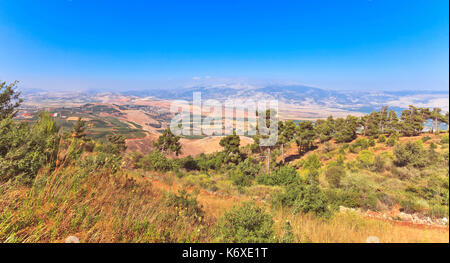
[
  {"x": 340, "y": 159},
  {"x": 284, "y": 175},
  {"x": 410, "y": 205},
  {"x": 156, "y": 161},
  {"x": 210, "y": 161},
  {"x": 245, "y": 172},
  {"x": 439, "y": 211},
  {"x": 114, "y": 144},
  {"x": 189, "y": 163},
  {"x": 102, "y": 160},
  {"x": 25, "y": 149},
  {"x": 391, "y": 141},
  {"x": 328, "y": 147},
  {"x": 343, "y": 197},
  {"x": 353, "y": 148},
  {"x": 312, "y": 200},
  {"x": 444, "y": 139},
  {"x": 365, "y": 159},
  {"x": 247, "y": 223},
  {"x": 303, "y": 197},
  {"x": 185, "y": 203},
  {"x": 382, "y": 139},
  {"x": 379, "y": 163},
  {"x": 334, "y": 174},
  {"x": 290, "y": 193},
  {"x": 410, "y": 153},
  {"x": 371, "y": 142},
  {"x": 203, "y": 180},
  {"x": 362, "y": 143},
  {"x": 312, "y": 162}
]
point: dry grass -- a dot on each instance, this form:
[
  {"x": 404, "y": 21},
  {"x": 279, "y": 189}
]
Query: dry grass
[
  {"x": 96, "y": 207},
  {"x": 352, "y": 228},
  {"x": 128, "y": 207},
  {"x": 341, "y": 228}
]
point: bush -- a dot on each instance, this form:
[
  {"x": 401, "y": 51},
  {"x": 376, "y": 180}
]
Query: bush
[
  {"x": 345, "y": 197},
  {"x": 439, "y": 211},
  {"x": 379, "y": 163},
  {"x": 362, "y": 143},
  {"x": 245, "y": 172},
  {"x": 353, "y": 148},
  {"x": 156, "y": 161},
  {"x": 114, "y": 144},
  {"x": 371, "y": 142},
  {"x": 185, "y": 203},
  {"x": 285, "y": 175},
  {"x": 382, "y": 139},
  {"x": 312, "y": 200},
  {"x": 365, "y": 159},
  {"x": 328, "y": 147},
  {"x": 26, "y": 149},
  {"x": 303, "y": 197},
  {"x": 444, "y": 139},
  {"x": 247, "y": 223},
  {"x": 189, "y": 163},
  {"x": 410, "y": 153},
  {"x": 312, "y": 162},
  {"x": 290, "y": 193},
  {"x": 410, "y": 205},
  {"x": 391, "y": 141},
  {"x": 102, "y": 160},
  {"x": 211, "y": 161},
  {"x": 203, "y": 180},
  {"x": 334, "y": 174}
]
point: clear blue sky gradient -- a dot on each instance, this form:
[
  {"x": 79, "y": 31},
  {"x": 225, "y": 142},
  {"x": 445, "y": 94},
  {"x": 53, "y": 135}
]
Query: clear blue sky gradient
[{"x": 348, "y": 44}]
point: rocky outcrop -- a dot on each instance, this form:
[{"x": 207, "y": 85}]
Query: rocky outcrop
[{"x": 396, "y": 215}]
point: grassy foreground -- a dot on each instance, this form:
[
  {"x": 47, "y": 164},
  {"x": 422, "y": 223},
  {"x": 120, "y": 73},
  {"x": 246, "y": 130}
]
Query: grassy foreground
[{"x": 98, "y": 206}]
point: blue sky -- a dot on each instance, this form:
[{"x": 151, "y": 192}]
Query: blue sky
[{"x": 347, "y": 44}]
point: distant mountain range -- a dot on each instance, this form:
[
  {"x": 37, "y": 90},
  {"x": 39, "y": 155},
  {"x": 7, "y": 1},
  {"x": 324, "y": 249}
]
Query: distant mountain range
[{"x": 361, "y": 101}]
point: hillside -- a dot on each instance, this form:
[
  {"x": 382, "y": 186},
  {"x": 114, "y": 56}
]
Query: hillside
[{"x": 332, "y": 180}]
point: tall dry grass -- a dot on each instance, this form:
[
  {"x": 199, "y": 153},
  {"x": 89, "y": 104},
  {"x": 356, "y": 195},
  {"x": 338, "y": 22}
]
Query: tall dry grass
[
  {"x": 96, "y": 207},
  {"x": 353, "y": 228},
  {"x": 127, "y": 207}
]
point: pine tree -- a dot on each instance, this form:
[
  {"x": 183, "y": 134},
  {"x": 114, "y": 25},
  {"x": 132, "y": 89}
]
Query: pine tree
[
  {"x": 168, "y": 143},
  {"x": 412, "y": 121},
  {"x": 231, "y": 145},
  {"x": 445, "y": 120},
  {"x": 305, "y": 136},
  {"x": 373, "y": 124},
  {"x": 346, "y": 129},
  {"x": 392, "y": 123},
  {"x": 324, "y": 129},
  {"x": 9, "y": 100},
  {"x": 437, "y": 118},
  {"x": 383, "y": 118},
  {"x": 79, "y": 129}
]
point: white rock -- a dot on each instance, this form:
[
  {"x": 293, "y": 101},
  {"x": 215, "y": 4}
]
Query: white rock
[
  {"x": 372, "y": 239},
  {"x": 72, "y": 239}
]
